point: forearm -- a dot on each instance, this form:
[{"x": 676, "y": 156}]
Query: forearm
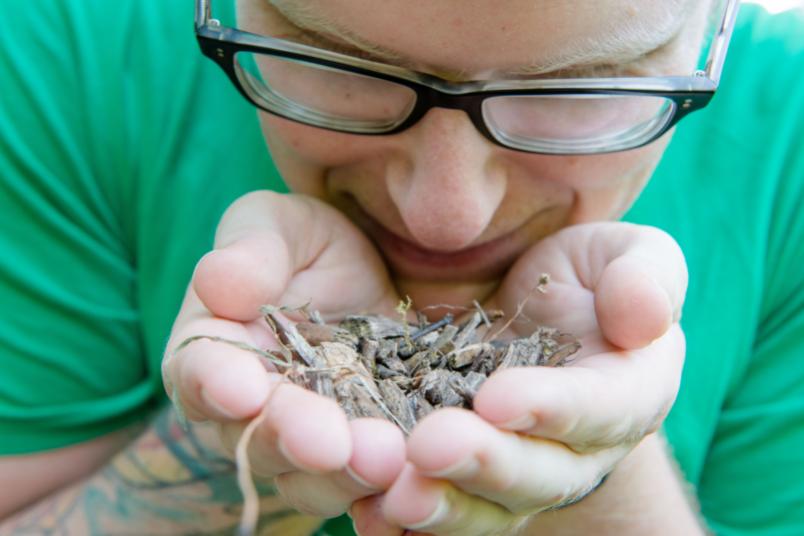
[
  {"x": 168, "y": 481},
  {"x": 643, "y": 495}
]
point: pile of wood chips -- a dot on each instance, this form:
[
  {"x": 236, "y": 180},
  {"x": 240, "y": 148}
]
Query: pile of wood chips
[{"x": 376, "y": 366}]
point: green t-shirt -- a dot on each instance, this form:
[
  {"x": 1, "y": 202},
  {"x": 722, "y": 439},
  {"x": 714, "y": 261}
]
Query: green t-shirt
[{"x": 120, "y": 147}]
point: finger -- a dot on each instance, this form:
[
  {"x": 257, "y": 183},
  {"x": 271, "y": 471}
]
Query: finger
[
  {"x": 377, "y": 459},
  {"x": 641, "y": 292},
  {"x": 627, "y": 280},
  {"x": 601, "y": 401},
  {"x": 368, "y": 518},
  {"x": 435, "y": 506},
  {"x": 215, "y": 380},
  {"x": 301, "y": 431},
  {"x": 521, "y": 473},
  {"x": 234, "y": 281},
  {"x": 566, "y": 301},
  {"x": 258, "y": 243},
  {"x": 378, "y": 454}
]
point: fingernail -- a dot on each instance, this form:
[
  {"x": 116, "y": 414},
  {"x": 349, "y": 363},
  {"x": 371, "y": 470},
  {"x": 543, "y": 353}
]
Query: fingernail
[
  {"x": 438, "y": 515},
  {"x": 359, "y": 479},
  {"x": 461, "y": 469},
  {"x": 216, "y": 406},
  {"x": 525, "y": 422}
]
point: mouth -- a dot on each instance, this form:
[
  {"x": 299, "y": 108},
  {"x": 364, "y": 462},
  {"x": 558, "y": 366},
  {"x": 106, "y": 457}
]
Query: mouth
[{"x": 483, "y": 262}]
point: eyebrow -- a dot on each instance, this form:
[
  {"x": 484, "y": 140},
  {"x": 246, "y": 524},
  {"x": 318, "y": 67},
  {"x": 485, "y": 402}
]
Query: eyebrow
[
  {"x": 310, "y": 26},
  {"x": 634, "y": 44}
]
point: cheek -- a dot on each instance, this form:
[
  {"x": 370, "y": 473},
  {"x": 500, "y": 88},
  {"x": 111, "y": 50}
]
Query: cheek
[
  {"x": 317, "y": 162},
  {"x": 606, "y": 171},
  {"x": 603, "y": 186},
  {"x": 592, "y": 187},
  {"x": 622, "y": 177},
  {"x": 315, "y": 146},
  {"x": 305, "y": 155}
]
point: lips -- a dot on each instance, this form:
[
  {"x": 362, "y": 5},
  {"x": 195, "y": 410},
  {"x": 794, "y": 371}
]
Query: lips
[{"x": 489, "y": 260}]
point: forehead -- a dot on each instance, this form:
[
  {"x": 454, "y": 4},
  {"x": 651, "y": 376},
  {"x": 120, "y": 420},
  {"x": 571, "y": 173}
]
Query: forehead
[{"x": 481, "y": 35}]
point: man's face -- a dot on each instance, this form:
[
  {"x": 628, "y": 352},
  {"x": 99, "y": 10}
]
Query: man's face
[{"x": 449, "y": 210}]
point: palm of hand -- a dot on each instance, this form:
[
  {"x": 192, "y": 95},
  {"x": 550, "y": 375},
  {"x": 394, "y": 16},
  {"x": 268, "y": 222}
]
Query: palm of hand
[
  {"x": 483, "y": 469},
  {"x": 539, "y": 437}
]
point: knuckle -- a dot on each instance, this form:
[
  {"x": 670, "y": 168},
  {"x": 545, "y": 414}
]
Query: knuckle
[
  {"x": 229, "y": 433},
  {"x": 300, "y": 493}
]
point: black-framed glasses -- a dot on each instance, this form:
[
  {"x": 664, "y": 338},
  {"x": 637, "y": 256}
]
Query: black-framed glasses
[{"x": 338, "y": 92}]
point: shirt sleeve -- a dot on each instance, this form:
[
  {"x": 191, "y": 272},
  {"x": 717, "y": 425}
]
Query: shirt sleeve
[
  {"x": 70, "y": 348},
  {"x": 753, "y": 480}
]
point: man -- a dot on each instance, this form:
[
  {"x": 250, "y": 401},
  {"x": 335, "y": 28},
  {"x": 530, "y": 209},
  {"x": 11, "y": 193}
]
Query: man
[{"x": 454, "y": 213}]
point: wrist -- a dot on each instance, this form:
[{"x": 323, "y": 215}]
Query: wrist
[{"x": 644, "y": 494}]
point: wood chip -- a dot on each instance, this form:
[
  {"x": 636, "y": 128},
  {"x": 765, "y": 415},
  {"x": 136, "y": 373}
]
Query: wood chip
[
  {"x": 373, "y": 327},
  {"x": 398, "y": 404},
  {"x": 315, "y": 334},
  {"x": 376, "y": 366},
  {"x": 458, "y": 359}
]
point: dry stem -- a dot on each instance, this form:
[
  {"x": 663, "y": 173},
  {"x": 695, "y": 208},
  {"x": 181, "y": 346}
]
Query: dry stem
[{"x": 245, "y": 480}]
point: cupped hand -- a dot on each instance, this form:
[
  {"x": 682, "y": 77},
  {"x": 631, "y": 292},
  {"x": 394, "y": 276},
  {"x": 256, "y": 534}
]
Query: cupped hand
[
  {"x": 539, "y": 437},
  {"x": 282, "y": 250}
]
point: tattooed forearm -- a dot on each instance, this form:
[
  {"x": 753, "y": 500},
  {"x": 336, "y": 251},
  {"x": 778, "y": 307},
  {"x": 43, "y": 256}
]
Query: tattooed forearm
[{"x": 169, "y": 481}]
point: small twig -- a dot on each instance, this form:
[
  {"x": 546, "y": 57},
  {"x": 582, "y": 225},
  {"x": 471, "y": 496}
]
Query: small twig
[
  {"x": 316, "y": 318},
  {"x": 237, "y": 344},
  {"x": 402, "y": 309},
  {"x": 544, "y": 280},
  {"x": 381, "y": 404},
  {"x": 286, "y": 352},
  {"x": 540, "y": 287},
  {"x": 483, "y": 314},
  {"x": 446, "y": 306},
  {"x": 519, "y": 311},
  {"x": 288, "y": 330},
  {"x": 311, "y": 315},
  {"x": 250, "y": 516},
  {"x": 446, "y": 319},
  {"x": 245, "y": 481}
]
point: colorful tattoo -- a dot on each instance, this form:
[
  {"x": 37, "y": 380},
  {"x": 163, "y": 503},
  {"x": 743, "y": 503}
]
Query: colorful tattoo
[{"x": 167, "y": 482}]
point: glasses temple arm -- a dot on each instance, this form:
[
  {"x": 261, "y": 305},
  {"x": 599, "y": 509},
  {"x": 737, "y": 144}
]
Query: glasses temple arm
[
  {"x": 202, "y": 13},
  {"x": 720, "y": 44}
]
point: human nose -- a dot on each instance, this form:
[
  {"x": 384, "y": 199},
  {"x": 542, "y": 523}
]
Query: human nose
[{"x": 452, "y": 186}]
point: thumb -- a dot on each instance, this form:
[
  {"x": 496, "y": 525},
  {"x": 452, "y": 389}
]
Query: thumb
[
  {"x": 633, "y": 307},
  {"x": 234, "y": 281},
  {"x": 290, "y": 250},
  {"x": 640, "y": 286},
  {"x": 626, "y": 281}
]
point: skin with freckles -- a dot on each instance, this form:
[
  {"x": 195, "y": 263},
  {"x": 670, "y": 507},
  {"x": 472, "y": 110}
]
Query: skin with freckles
[
  {"x": 440, "y": 188},
  {"x": 442, "y": 215}
]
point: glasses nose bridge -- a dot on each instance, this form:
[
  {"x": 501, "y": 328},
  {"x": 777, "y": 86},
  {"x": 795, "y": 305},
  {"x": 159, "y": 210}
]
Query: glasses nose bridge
[
  {"x": 469, "y": 103},
  {"x": 436, "y": 98}
]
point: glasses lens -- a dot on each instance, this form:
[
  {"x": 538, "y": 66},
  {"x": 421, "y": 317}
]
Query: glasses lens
[
  {"x": 576, "y": 123},
  {"x": 324, "y": 96}
]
